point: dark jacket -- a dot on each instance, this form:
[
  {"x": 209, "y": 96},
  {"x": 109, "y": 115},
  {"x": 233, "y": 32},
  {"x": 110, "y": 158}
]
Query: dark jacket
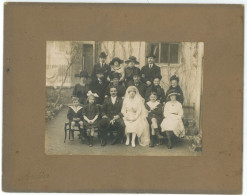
[
  {"x": 120, "y": 90},
  {"x": 141, "y": 88},
  {"x": 148, "y": 74},
  {"x": 129, "y": 72},
  {"x": 160, "y": 93},
  {"x": 81, "y": 92},
  {"x": 72, "y": 114},
  {"x": 110, "y": 110},
  {"x": 98, "y": 88},
  {"x": 178, "y": 89},
  {"x": 155, "y": 113},
  {"x": 105, "y": 69},
  {"x": 90, "y": 111}
]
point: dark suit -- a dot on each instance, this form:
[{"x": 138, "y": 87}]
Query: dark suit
[
  {"x": 148, "y": 74},
  {"x": 141, "y": 88},
  {"x": 98, "y": 88},
  {"x": 105, "y": 69},
  {"x": 129, "y": 72},
  {"x": 110, "y": 110}
]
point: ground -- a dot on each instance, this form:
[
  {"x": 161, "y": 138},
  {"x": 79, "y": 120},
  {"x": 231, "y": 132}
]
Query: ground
[{"x": 54, "y": 144}]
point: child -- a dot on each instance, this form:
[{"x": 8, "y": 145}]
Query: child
[
  {"x": 75, "y": 115},
  {"x": 99, "y": 86},
  {"x": 81, "y": 88},
  {"x": 115, "y": 82},
  {"x": 174, "y": 80},
  {"x": 155, "y": 87},
  {"x": 90, "y": 114},
  {"x": 154, "y": 108}
]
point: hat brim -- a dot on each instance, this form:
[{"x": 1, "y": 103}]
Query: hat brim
[
  {"x": 176, "y": 94},
  {"x": 128, "y": 61},
  {"x": 119, "y": 61}
]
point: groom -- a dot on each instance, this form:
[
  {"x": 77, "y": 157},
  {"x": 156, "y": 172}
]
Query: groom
[{"x": 112, "y": 118}]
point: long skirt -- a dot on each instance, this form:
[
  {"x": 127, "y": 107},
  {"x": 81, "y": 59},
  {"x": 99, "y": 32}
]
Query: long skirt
[{"x": 174, "y": 124}]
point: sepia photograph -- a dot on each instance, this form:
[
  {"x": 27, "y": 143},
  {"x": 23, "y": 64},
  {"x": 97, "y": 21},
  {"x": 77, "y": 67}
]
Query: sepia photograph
[{"x": 124, "y": 98}]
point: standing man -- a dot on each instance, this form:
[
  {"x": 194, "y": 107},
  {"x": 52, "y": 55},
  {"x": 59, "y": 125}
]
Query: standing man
[
  {"x": 150, "y": 71},
  {"x": 102, "y": 66}
]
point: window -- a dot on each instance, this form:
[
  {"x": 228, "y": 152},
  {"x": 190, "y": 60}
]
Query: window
[{"x": 167, "y": 53}]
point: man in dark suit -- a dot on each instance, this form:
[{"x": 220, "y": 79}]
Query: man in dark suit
[
  {"x": 111, "y": 114},
  {"x": 102, "y": 66},
  {"x": 150, "y": 71},
  {"x": 139, "y": 84}
]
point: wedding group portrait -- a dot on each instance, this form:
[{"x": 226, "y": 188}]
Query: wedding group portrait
[{"x": 124, "y": 98}]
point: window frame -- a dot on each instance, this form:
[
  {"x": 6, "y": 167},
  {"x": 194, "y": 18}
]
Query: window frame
[{"x": 161, "y": 64}]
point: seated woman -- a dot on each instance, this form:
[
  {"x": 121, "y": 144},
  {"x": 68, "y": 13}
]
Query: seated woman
[
  {"x": 135, "y": 114},
  {"x": 172, "y": 123},
  {"x": 81, "y": 89}
]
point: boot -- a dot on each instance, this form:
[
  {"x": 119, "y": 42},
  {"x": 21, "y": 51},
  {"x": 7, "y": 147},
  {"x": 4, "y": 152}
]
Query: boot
[
  {"x": 91, "y": 141},
  {"x": 117, "y": 138},
  {"x": 72, "y": 135},
  {"x": 104, "y": 139},
  {"x": 169, "y": 143},
  {"x": 157, "y": 132},
  {"x": 151, "y": 141}
]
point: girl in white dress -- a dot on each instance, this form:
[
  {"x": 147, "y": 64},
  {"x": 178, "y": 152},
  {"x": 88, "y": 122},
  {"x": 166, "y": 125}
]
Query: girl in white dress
[
  {"x": 172, "y": 123},
  {"x": 135, "y": 114}
]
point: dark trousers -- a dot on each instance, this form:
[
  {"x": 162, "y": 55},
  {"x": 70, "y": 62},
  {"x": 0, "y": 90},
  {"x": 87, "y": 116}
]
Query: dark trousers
[{"x": 118, "y": 126}]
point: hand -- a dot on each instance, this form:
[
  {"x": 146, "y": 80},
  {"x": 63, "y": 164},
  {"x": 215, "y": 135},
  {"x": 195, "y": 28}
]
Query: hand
[
  {"x": 116, "y": 117},
  {"x": 112, "y": 121},
  {"x": 104, "y": 116},
  {"x": 148, "y": 83},
  {"x": 76, "y": 119},
  {"x": 106, "y": 96}
]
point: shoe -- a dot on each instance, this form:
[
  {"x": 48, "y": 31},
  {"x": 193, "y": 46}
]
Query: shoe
[
  {"x": 151, "y": 141},
  {"x": 127, "y": 142}
]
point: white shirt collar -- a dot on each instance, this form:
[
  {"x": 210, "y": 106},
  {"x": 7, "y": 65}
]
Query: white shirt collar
[
  {"x": 113, "y": 99},
  {"x": 152, "y": 105},
  {"x": 76, "y": 109}
]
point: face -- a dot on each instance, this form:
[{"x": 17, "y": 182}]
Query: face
[
  {"x": 136, "y": 78},
  {"x": 102, "y": 60},
  {"x": 99, "y": 75},
  {"x": 174, "y": 83},
  {"x": 91, "y": 99},
  {"x": 75, "y": 103},
  {"x": 113, "y": 92},
  {"x": 83, "y": 79},
  {"x": 156, "y": 82},
  {"x": 150, "y": 60},
  {"x": 116, "y": 63},
  {"x": 153, "y": 98},
  {"x": 132, "y": 93},
  {"x": 131, "y": 64},
  {"x": 173, "y": 97},
  {"x": 115, "y": 81}
]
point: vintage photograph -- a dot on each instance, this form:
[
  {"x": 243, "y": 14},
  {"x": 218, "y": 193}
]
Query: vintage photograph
[{"x": 125, "y": 98}]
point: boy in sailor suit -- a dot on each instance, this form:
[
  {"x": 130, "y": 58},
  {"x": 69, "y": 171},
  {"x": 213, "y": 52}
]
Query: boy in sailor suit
[{"x": 75, "y": 115}]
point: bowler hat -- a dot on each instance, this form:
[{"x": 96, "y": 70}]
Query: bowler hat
[
  {"x": 114, "y": 75},
  {"x": 104, "y": 123},
  {"x": 102, "y": 55},
  {"x": 83, "y": 73},
  {"x": 137, "y": 72},
  {"x": 174, "y": 77},
  {"x": 150, "y": 55},
  {"x": 132, "y": 59},
  {"x": 116, "y": 59}
]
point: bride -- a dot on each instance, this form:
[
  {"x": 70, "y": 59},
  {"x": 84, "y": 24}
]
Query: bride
[{"x": 135, "y": 114}]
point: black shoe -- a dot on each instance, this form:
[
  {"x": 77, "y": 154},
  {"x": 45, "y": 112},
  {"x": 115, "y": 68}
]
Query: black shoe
[
  {"x": 151, "y": 141},
  {"x": 91, "y": 141}
]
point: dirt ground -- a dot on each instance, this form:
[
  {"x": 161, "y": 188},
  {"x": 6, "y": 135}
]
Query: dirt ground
[{"x": 54, "y": 144}]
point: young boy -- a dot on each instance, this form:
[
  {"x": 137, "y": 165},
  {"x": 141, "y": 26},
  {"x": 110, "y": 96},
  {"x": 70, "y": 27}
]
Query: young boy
[
  {"x": 154, "y": 118},
  {"x": 155, "y": 87},
  {"x": 99, "y": 86},
  {"x": 174, "y": 80},
  {"x": 115, "y": 77},
  {"x": 75, "y": 116}
]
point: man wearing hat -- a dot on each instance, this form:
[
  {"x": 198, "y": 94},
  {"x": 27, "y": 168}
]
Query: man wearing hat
[
  {"x": 105, "y": 68},
  {"x": 150, "y": 71},
  {"x": 112, "y": 118},
  {"x": 115, "y": 77},
  {"x": 81, "y": 89},
  {"x": 99, "y": 86},
  {"x": 131, "y": 70}
]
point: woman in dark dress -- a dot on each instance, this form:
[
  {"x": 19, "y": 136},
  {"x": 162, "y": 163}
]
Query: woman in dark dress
[
  {"x": 131, "y": 70},
  {"x": 81, "y": 89},
  {"x": 174, "y": 80}
]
